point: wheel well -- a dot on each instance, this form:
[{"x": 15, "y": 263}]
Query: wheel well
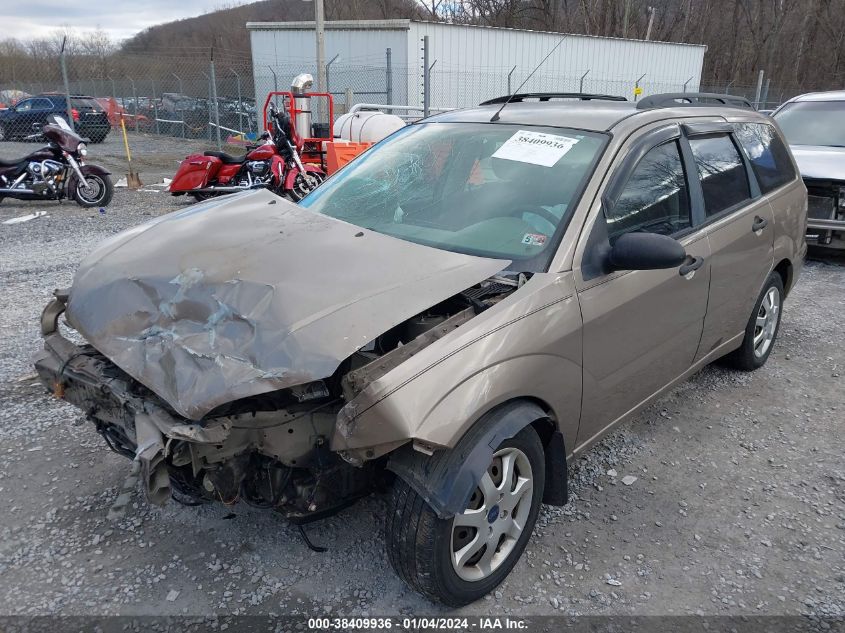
[
  {"x": 556, "y": 491},
  {"x": 784, "y": 269}
]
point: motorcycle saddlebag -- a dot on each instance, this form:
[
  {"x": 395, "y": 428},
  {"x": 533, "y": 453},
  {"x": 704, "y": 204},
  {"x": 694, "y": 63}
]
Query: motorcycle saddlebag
[{"x": 195, "y": 172}]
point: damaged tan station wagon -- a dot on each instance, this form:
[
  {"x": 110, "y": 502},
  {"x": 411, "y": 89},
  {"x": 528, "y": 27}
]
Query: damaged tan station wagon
[{"x": 455, "y": 317}]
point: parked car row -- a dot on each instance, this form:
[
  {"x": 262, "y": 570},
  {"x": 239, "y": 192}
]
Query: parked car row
[{"x": 24, "y": 120}]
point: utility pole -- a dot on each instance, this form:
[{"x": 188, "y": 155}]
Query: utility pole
[
  {"x": 319, "y": 27},
  {"x": 213, "y": 95},
  {"x": 625, "y": 19},
  {"x": 68, "y": 108},
  {"x": 650, "y": 23}
]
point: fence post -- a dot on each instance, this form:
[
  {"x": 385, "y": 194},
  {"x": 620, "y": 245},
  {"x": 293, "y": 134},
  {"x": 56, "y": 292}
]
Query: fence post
[
  {"x": 765, "y": 96},
  {"x": 348, "y": 99},
  {"x": 214, "y": 101},
  {"x": 134, "y": 102},
  {"x": 240, "y": 103},
  {"x": 68, "y": 108},
  {"x": 155, "y": 105},
  {"x": 581, "y": 84},
  {"x": 332, "y": 61},
  {"x": 759, "y": 89},
  {"x": 686, "y": 83},
  {"x": 388, "y": 78},
  {"x": 182, "y": 111},
  {"x": 426, "y": 79},
  {"x": 509, "y": 79},
  {"x": 113, "y": 89},
  {"x": 728, "y": 87},
  {"x": 637, "y": 85}
]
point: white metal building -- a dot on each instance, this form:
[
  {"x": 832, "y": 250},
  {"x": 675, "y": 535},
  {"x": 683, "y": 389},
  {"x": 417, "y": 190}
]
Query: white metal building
[{"x": 468, "y": 63}]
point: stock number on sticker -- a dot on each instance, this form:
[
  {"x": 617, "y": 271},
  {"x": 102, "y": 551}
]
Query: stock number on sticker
[{"x": 346, "y": 624}]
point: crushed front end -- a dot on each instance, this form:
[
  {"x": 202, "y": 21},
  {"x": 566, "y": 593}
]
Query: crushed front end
[
  {"x": 825, "y": 212},
  {"x": 270, "y": 451}
]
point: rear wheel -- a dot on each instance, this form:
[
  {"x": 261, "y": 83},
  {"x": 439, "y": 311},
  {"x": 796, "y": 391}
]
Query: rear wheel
[
  {"x": 200, "y": 196},
  {"x": 459, "y": 560},
  {"x": 762, "y": 328},
  {"x": 96, "y": 191}
]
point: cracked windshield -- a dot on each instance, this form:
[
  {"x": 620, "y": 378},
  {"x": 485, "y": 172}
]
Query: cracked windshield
[{"x": 482, "y": 189}]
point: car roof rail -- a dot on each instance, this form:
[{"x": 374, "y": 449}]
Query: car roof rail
[
  {"x": 693, "y": 99},
  {"x": 548, "y": 96}
]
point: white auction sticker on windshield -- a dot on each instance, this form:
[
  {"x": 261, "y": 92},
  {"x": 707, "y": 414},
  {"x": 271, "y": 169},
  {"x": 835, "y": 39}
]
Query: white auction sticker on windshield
[{"x": 536, "y": 148}]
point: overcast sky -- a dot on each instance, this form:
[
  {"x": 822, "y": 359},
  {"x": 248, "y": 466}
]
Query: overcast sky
[{"x": 119, "y": 18}]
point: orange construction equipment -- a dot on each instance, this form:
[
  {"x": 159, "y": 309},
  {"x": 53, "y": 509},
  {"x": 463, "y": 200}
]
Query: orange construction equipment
[{"x": 338, "y": 154}]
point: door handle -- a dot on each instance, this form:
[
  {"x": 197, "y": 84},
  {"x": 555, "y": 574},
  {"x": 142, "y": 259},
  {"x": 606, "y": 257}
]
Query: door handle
[
  {"x": 759, "y": 224},
  {"x": 691, "y": 266}
]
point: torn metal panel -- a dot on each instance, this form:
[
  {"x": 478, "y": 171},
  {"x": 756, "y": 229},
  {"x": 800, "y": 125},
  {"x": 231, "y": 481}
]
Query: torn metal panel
[{"x": 250, "y": 294}]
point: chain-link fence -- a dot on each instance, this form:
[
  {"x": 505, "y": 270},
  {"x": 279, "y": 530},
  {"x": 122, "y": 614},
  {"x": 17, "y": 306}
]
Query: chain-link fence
[{"x": 222, "y": 100}]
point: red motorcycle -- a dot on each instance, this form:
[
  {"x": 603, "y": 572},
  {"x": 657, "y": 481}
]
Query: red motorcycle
[{"x": 275, "y": 164}]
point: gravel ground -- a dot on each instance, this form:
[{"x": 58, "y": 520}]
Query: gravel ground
[{"x": 738, "y": 507}]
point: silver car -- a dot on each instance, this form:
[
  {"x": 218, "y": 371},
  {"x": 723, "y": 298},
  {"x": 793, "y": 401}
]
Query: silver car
[{"x": 814, "y": 127}]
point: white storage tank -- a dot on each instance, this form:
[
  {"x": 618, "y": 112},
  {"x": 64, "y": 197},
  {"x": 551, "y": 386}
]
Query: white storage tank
[{"x": 366, "y": 126}]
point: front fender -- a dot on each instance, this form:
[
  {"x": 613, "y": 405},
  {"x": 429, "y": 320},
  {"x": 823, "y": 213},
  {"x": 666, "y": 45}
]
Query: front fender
[
  {"x": 447, "y": 478},
  {"x": 88, "y": 168},
  {"x": 91, "y": 168},
  {"x": 292, "y": 174}
]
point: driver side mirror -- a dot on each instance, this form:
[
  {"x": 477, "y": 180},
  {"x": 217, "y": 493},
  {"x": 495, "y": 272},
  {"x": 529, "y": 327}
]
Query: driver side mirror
[{"x": 645, "y": 251}]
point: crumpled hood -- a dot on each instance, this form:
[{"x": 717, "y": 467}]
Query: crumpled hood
[
  {"x": 823, "y": 163},
  {"x": 251, "y": 293}
]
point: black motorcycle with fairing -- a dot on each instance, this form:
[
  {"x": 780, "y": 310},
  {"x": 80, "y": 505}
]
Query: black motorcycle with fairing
[{"x": 56, "y": 171}]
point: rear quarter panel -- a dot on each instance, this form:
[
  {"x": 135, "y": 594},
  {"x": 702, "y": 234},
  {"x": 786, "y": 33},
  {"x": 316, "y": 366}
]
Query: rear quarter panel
[{"x": 789, "y": 206}]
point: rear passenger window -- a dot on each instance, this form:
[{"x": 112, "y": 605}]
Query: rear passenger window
[
  {"x": 724, "y": 180},
  {"x": 768, "y": 155},
  {"x": 655, "y": 198}
]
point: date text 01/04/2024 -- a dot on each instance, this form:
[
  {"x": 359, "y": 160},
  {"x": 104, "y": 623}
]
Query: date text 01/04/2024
[{"x": 411, "y": 623}]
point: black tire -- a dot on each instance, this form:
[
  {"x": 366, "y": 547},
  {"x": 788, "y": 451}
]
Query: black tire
[
  {"x": 749, "y": 357},
  {"x": 420, "y": 545},
  {"x": 301, "y": 186},
  {"x": 98, "y": 138},
  {"x": 201, "y": 197},
  {"x": 103, "y": 196}
]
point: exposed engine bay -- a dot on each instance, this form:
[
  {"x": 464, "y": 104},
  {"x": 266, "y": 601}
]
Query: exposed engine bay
[
  {"x": 825, "y": 210},
  {"x": 271, "y": 450}
]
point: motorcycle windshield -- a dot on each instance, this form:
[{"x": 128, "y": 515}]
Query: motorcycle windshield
[{"x": 59, "y": 132}]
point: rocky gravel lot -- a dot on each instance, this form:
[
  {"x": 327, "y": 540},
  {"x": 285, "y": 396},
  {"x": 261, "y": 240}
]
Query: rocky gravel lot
[{"x": 738, "y": 506}]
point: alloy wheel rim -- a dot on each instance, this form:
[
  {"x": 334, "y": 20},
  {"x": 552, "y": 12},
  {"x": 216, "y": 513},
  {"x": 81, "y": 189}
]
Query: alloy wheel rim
[
  {"x": 766, "y": 323},
  {"x": 93, "y": 190},
  {"x": 485, "y": 534}
]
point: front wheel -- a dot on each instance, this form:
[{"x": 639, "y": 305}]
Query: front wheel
[
  {"x": 96, "y": 191},
  {"x": 459, "y": 560},
  {"x": 305, "y": 183},
  {"x": 762, "y": 328}
]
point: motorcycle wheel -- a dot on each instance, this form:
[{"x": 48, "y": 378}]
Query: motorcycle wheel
[
  {"x": 96, "y": 191},
  {"x": 302, "y": 187},
  {"x": 199, "y": 197}
]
